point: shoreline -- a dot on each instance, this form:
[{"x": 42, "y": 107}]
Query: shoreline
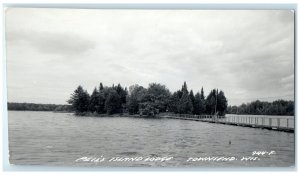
[{"x": 137, "y": 115}]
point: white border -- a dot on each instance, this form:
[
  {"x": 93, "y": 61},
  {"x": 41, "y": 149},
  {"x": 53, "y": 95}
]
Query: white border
[{"x": 116, "y": 2}]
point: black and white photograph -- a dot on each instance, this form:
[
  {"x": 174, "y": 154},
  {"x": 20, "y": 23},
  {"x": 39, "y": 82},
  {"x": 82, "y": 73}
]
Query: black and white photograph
[{"x": 159, "y": 88}]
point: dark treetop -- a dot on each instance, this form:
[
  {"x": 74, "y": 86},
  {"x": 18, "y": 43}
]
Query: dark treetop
[{"x": 147, "y": 101}]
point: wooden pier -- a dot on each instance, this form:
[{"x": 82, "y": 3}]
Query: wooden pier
[{"x": 276, "y": 124}]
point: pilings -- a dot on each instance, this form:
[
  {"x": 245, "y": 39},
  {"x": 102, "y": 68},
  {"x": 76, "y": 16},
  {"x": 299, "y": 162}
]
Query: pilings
[{"x": 278, "y": 124}]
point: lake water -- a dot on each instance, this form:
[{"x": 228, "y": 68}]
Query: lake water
[{"x": 46, "y": 138}]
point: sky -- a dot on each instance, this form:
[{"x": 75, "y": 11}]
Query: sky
[{"x": 248, "y": 54}]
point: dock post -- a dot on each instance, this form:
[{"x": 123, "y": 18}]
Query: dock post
[
  {"x": 270, "y": 122},
  {"x": 278, "y": 122}
]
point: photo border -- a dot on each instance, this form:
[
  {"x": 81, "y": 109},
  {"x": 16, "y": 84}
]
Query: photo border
[{"x": 146, "y": 6}]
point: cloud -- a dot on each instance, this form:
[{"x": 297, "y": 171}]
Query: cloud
[
  {"x": 248, "y": 54},
  {"x": 64, "y": 44}
]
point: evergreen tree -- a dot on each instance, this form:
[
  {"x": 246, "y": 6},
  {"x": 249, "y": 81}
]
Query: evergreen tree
[
  {"x": 174, "y": 102},
  {"x": 202, "y": 94},
  {"x": 101, "y": 106},
  {"x": 101, "y": 100},
  {"x": 101, "y": 87},
  {"x": 106, "y": 91},
  {"x": 199, "y": 104},
  {"x": 80, "y": 100},
  {"x": 216, "y": 102},
  {"x": 185, "y": 105},
  {"x": 122, "y": 93},
  {"x": 94, "y": 101},
  {"x": 192, "y": 97},
  {"x": 113, "y": 103},
  {"x": 211, "y": 102},
  {"x": 184, "y": 88},
  {"x": 157, "y": 98},
  {"x": 222, "y": 103}
]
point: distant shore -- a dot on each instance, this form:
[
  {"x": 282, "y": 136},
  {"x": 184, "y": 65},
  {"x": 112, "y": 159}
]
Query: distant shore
[{"x": 89, "y": 114}]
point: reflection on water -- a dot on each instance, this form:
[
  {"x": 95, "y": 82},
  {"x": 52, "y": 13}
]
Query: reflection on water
[{"x": 46, "y": 138}]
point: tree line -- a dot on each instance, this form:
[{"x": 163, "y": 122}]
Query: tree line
[
  {"x": 38, "y": 107},
  {"x": 154, "y": 99},
  {"x": 278, "y": 107}
]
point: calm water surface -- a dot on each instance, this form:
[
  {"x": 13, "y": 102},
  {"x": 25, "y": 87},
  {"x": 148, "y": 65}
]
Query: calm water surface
[{"x": 46, "y": 138}]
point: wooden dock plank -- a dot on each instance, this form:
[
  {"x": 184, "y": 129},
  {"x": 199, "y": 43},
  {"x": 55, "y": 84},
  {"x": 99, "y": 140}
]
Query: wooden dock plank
[{"x": 212, "y": 119}]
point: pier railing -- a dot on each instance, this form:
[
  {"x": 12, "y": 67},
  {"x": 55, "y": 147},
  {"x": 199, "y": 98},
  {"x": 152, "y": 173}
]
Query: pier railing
[{"x": 273, "y": 123}]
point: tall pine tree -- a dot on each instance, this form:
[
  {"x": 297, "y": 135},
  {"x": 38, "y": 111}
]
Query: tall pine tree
[
  {"x": 202, "y": 94},
  {"x": 113, "y": 103},
  {"x": 199, "y": 104},
  {"x": 192, "y": 97},
  {"x": 94, "y": 101},
  {"x": 80, "y": 100},
  {"x": 221, "y": 103},
  {"x": 185, "y": 105},
  {"x": 101, "y": 100}
]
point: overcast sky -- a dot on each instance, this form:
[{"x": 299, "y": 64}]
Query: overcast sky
[{"x": 247, "y": 54}]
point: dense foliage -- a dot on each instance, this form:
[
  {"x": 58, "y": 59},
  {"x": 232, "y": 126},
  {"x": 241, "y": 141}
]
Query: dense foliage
[
  {"x": 38, "y": 107},
  {"x": 147, "y": 101},
  {"x": 278, "y": 107}
]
